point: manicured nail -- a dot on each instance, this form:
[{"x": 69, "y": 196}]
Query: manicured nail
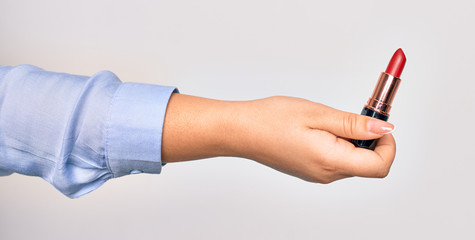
[{"x": 380, "y": 127}]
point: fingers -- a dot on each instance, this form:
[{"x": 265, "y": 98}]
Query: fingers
[
  {"x": 353, "y": 126},
  {"x": 366, "y": 163}
]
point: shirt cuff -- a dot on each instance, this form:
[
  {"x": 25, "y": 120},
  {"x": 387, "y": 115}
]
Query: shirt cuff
[{"x": 134, "y": 131}]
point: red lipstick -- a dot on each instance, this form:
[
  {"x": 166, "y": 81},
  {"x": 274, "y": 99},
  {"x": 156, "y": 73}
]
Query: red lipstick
[
  {"x": 396, "y": 65},
  {"x": 379, "y": 104}
]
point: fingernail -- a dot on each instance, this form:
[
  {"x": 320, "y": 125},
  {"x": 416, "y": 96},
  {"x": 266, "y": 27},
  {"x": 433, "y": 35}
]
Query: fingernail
[{"x": 380, "y": 127}]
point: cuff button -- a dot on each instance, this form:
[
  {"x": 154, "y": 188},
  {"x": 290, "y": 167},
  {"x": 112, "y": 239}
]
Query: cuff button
[{"x": 135, "y": 171}]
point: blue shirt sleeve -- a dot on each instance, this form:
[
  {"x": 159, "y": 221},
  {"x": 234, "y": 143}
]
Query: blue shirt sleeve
[{"x": 76, "y": 132}]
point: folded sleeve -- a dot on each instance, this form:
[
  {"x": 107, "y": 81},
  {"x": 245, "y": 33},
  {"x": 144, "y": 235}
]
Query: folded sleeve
[
  {"x": 133, "y": 137},
  {"x": 77, "y": 132}
]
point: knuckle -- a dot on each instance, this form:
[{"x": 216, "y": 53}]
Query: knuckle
[
  {"x": 383, "y": 172},
  {"x": 323, "y": 171},
  {"x": 327, "y": 166},
  {"x": 350, "y": 124}
]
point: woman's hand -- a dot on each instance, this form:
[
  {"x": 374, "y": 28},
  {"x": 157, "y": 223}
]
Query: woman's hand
[{"x": 295, "y": 136}]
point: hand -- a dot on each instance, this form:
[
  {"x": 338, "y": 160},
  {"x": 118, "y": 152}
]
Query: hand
[{"x": 295, "y": 136}]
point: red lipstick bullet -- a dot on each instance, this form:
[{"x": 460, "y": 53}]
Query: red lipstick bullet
[
  {"x": 396, "y": 65},
  {"x": 379, "y": 104}
]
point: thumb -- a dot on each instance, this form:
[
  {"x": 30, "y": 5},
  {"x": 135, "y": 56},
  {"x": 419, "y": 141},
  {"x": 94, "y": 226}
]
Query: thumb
[{"x": 354, "y": 126}]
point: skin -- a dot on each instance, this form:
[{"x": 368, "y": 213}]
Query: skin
[{"x": 292, "y": 135}]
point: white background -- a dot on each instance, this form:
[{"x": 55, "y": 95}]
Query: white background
[{"x": 325, "y": 51}]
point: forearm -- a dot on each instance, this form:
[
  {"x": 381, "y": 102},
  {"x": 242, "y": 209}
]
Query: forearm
[{"x": 196, "y": 128}]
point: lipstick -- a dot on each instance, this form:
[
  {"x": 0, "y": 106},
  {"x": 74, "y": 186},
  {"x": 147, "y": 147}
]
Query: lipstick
[{"x": 379, "y": 104}]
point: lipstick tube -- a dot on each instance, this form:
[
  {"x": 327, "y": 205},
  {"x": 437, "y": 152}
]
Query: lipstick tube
[{"x": 379, "y": 104}]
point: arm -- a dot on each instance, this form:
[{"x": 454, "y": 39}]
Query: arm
[
  {"x": 77, "y": 132},
  {"x": 292, "y": 135}
]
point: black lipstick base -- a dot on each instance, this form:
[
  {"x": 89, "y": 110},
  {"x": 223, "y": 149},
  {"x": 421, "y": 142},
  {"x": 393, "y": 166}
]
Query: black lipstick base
[{"x": 369, "y": 144}]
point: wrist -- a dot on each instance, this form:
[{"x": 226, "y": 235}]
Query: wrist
[{"x": 239, "y": 137}]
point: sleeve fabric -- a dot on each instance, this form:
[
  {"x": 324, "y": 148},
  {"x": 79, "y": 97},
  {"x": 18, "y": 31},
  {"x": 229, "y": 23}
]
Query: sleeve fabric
[{"x": 76, "y": 132}]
